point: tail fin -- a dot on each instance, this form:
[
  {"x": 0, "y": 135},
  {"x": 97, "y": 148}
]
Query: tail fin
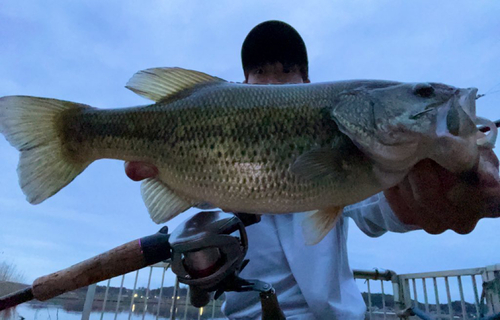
[{"x": 33, "y": 126}]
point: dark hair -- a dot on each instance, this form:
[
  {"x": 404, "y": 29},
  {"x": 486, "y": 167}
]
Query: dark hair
[{"x": 274, "y": 41}]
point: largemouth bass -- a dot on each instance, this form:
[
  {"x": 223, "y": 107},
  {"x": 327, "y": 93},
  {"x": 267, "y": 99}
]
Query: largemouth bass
[{"x": 250, "y": 148}]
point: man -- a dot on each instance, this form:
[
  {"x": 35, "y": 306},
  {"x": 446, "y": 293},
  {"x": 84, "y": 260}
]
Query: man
[{"x": 315, "y": 282}]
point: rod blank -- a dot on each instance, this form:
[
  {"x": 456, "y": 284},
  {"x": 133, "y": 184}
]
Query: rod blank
[{"x": 16, "y": 298}]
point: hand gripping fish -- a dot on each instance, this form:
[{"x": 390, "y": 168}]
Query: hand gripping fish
[{"x": 250, "y": 148}]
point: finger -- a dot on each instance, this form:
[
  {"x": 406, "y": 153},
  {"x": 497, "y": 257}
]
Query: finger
[
  {"x": 489, "y": 155},
  {"x": 465, "y": 219},
  {"x": 410, "y": 212},
  {"x": 488, "y": 169},
  {"x": 137, "y": 171},
  {"x": 488, "y": 193},
  {"x": 425, "y": 182},
  {"x": 399, "y": 198},
  {"x": 492, "y": 209},
  {"x": 434, "y": 228},
  {"x": 466, "y": 227}
]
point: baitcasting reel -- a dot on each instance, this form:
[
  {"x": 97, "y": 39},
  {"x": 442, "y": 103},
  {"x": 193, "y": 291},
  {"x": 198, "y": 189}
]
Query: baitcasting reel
[
  {"x": 208, "y": 248},
  {"x": 208, "y": 252}
]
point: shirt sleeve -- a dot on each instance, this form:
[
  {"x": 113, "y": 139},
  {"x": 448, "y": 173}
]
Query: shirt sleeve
[{"x": 375, "y": 217}]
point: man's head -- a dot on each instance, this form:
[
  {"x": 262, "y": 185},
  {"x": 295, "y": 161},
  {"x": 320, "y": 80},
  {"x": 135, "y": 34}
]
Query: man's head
[{"x": 274, "y": 52}]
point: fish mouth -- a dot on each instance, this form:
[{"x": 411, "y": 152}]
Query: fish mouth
[
  {"x": 467, "y": 101},
  {"x": 457, "y": 134},
  {"x": 457, "y": 117}
]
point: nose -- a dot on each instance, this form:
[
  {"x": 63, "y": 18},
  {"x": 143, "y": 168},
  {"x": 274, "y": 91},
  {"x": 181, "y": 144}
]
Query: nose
[{"x": 273, "y": 80}]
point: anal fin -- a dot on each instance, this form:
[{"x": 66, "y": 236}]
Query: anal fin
[
  {"x": 162, "y": 203},
  {"x": 318, "y": 223}
]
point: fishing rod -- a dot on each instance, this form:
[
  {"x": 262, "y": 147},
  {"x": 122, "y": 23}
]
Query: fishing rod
[{"x": 204, "y": 252}]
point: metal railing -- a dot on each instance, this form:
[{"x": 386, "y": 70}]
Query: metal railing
[
  {"x": 411, "y": 283},
  {"x": 387, "y": 288},
  {"x": 142, "y": 303},
  {"x": 452, "y": 294}
]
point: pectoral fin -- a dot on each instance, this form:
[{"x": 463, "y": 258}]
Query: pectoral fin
[
  {"x": 162, "y": 203},
  {"x": 339, "y": 160},
  {"x": 316, "y": 164},
  {"x": 317, "y": 225}
]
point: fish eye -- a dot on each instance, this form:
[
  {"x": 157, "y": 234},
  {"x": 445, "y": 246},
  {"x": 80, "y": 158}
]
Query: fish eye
[{"x": 424, "y": 90}]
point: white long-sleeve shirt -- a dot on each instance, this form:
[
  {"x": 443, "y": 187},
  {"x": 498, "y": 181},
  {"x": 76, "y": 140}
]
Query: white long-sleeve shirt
[{"x": 311, "y": 282}]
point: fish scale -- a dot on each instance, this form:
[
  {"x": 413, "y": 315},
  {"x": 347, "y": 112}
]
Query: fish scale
[
  {"x": 227, "y": 150},
  {"x": 248, "y": 148}
]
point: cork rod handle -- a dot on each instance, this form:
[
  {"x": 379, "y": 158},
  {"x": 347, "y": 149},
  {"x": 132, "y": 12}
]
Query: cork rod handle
[{"x": 120, "y": 260}]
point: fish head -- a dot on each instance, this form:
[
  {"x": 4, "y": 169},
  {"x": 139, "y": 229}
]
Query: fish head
[
  {"x": 411, "y": 111},
  {"x": 399, "y": 124}
]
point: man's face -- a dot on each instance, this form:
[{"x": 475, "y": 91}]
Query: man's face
[{"x": 275, "y": 74}]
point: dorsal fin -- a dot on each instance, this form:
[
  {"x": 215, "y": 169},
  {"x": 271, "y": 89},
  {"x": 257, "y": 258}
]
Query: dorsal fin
[{"x": 158, "y": 83}]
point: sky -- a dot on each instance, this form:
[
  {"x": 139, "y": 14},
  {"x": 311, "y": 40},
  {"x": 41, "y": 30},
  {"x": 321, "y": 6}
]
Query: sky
[{"x": 86, "y": 51}]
